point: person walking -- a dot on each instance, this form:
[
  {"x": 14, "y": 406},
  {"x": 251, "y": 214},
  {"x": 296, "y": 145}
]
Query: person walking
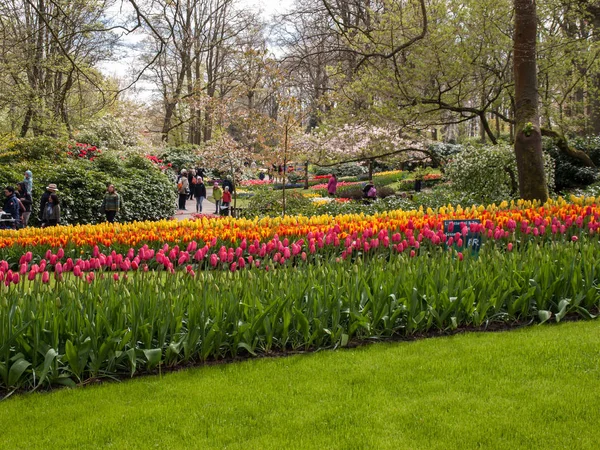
[
  {"x": 11, "y": 205},
  {"x": 200, "y": 193},
  {"x": 51, "y": 214},
  {"x": 26, "y": 201},
  {"x": 183, "y": 189},
  {"x": 50, "y": 189},
  {"x": 332, "y": 185},
  {"x": 111, "y": 204},
  {"x": 28, "y": 180},
  {"x": 217, "y": 196},
  {"x": 191, "y": 183}
]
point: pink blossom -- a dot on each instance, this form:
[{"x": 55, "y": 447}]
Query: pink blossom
[{"x": 214, "y": 260}]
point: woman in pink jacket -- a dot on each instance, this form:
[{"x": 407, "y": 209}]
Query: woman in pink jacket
[{"x": 332, "y": 185}]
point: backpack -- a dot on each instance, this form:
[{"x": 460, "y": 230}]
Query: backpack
[{"x": 372, "y": 193}]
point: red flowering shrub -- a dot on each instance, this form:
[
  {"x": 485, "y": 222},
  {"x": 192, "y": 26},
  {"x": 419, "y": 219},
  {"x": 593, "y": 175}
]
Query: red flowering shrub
[{"x": 84, "y": 151}]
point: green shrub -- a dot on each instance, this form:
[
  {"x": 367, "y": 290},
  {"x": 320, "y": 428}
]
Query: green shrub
[
  {"x": 107, "y": 132},
  {"x": 341, "y": 170},
  {"x": 267, "y": 202},
  {"x": 180, "y": 157},
  {"x": 485, "y": 173},
  {"x": 147, "y": 193},
  {"x": 570, "y": 172},
  {"x": 14, "y": 149}
]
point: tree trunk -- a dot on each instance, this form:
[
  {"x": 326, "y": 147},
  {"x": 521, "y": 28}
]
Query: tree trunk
[
  {"x": 595, "y": 78},
  {"x": 306, "y": 175},
  {"x": 528, "y": 142},
  {"x": 284, "y": 172}
]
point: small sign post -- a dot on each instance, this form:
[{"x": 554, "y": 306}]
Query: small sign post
[{"x": 470, "y": 240}]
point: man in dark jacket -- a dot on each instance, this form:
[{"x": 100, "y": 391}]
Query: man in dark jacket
[
  {"x": 200, "y": 193},
  {"x": 50, "y": 189},
  {"x": 11, "y": 204},
  {"x": 228, "y": 183}
]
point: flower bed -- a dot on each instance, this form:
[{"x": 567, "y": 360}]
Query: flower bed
[
  {"x": 323, "y": 186},
  {"x": 114, "y": 300},
  {"x": 256, "y": 182}
]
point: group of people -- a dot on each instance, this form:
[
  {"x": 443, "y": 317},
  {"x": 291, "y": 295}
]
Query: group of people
[
  {"x": 190, "y": 185},
  {"x": 18, "y": 204},
  {"x": 369, "y": 190}
]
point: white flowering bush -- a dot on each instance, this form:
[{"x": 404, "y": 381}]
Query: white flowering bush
[{"x": 485, "y": 172}]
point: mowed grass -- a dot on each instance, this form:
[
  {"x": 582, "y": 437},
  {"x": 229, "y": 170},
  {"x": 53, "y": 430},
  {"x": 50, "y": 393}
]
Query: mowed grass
[{"x": 534, "y": 388}]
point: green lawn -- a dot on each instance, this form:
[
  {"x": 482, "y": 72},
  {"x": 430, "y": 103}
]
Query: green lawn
[{"x": 536, "y": 388}]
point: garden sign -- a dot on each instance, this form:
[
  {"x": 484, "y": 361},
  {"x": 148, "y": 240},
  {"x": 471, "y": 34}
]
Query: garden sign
[{"x": 467, "y": 236}]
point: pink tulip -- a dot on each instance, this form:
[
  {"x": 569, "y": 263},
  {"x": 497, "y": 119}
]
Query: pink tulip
[
  {"x": 16, "y": 278},
  {"x": 77, "y": 271},
  {"x": 460, "y": 256},
  {"x": 214, "y": 260},
  {"x": 31, "y": 275},
  {"x": 23, "y": 269},
  {"x": 45, "y": 277},
  {"x": 574, "y": 238},
  {"x": 116, "y": 276},
  {"x": 510, "y": 246},
  {"x": 60, "y": 253}
]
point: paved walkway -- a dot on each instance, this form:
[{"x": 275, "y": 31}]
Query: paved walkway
[{"x": 208, "y": 208}]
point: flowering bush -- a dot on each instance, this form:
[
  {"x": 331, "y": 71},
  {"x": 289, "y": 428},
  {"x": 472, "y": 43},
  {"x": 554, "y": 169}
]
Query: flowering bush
[
  {"x": 490, "y": 173},
  {"x": 158, "y": 162}
]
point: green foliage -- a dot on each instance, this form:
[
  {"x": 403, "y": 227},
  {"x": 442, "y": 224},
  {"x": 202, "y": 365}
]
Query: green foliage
[
  {"x": 183, "y": 157},
  {"x": 107, "y": 132},
  {"x": 570, "y": 172},
  {"x": 341, "y": 170},
  {"x": 485, "y": 173},
  {"x": 442, "y": 152},
  {"x": 109, "y": 163},
  {"x": 266, "y": 202},
  {"x": 536, "y": 373},
  {"x": 13, "y": 149},
  {"x": 146, "y": 192}
]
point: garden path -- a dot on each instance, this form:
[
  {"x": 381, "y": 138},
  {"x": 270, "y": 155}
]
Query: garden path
[{"x": 208, "y": 207}]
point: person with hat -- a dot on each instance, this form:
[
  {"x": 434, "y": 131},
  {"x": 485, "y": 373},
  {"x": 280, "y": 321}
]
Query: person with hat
[
  {"x": 50, "y": 189},
  {"x": 217, "y": 196},
  {"x": 183, "y": 189}
]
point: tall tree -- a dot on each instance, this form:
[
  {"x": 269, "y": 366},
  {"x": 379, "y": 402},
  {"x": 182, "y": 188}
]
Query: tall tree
[{"x": 528, "y": 139}]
